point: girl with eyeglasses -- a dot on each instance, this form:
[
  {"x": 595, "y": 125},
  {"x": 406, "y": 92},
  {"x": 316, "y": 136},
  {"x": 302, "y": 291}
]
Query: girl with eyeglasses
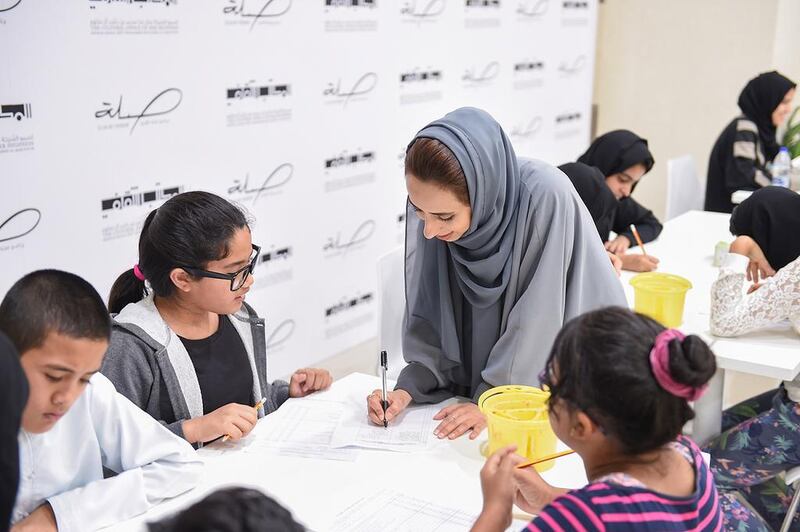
[{"x": 185, "y": 346}]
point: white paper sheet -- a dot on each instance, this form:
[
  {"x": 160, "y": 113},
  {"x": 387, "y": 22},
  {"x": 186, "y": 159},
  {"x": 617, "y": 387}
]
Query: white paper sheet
[
  {"x": 390, "y": 511},
  {"x": 411, "y": 431}
]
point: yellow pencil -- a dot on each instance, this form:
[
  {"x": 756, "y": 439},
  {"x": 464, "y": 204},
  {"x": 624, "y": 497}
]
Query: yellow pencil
[
  {"x": 544, "y": 459},
  {"x": 257, "y": 406},
  {"x": 638, "y": 239}
]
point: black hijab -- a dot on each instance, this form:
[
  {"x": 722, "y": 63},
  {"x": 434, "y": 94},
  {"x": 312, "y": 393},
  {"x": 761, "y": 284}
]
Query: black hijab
[
  {"x": 758, "y": 100},
  {"x": 590, "y": 183},
  {"x": 616, "y": 151},
  {"x": 13, "y": 396},
  {"x": 771, "y": 217}
]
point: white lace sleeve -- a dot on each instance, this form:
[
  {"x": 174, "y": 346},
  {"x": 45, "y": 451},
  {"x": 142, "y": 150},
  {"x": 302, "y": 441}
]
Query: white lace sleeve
[{"x": 733, "y": 313}]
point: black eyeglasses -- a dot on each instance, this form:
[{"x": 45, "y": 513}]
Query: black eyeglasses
[{"x": 237, "y": 278}]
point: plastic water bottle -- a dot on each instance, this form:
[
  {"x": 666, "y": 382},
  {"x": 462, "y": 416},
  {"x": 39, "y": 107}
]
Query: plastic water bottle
[{"x": 781, "y": 168}]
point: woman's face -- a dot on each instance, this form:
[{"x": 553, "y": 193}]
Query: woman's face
[
  {"x": 621, "y": 183},
  {"x": 444, "y": 215},
  {"x": 782, "y": 111}
]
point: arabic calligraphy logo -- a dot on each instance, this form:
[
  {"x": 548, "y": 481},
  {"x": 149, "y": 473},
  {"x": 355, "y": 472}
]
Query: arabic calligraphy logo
[
  {"x": 567, "y": 68},
  {"x": 426, "y": 9},
  {"x": 337, "y": 246},
  {"x": 276, "y": 180},
  {"x": 16, "y": 110},
  {"x": 159, "y": 105},
  {"x": 528, "y": 129},
  {"x": 473, "y": 76},
  {"x": 20, "y": 224},
  {"x": 281, "y": 334},
  {"x": 533, "y": 8},
  {"x": 10, "y": 4},
  {"x": 270, "y": 9},
  {"x": 363, "y": 86}
]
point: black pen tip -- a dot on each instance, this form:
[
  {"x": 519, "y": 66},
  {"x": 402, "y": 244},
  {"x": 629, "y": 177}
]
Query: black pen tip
[{"x": 385, "y": 424}]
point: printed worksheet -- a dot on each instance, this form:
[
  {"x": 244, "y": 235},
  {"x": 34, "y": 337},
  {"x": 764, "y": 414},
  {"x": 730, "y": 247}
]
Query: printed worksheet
[{"x": 409, "y": 432}]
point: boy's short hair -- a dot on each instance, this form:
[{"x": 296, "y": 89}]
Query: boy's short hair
[
  {"x": 48, "y": 301},
  {"x": 231, "y": 510}
]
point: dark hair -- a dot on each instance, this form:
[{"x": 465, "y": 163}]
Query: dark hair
[
  {"x": 190, "y": 229},
  {"x": 600, "y": 363},
  {"x": 231, "y": 510},
  {"x": 429, "y": 160},
  {"x": 48, "y": 301}
]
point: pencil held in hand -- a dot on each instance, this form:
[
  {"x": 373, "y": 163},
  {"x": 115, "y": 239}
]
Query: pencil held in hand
[
  {"x": 256, "y": 407},
  {"x": 638, "y": 239},
  {"x": 544, "y": 459}
]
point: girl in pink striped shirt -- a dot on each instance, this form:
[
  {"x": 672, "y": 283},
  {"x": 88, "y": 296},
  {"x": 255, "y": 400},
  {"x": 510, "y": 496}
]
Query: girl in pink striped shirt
[{"x": 620, "y": 389}]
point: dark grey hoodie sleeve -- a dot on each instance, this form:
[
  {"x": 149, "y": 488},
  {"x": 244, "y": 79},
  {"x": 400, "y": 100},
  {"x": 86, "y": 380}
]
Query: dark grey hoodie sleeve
[
  {"x": 276, "y": 394},
  {"x": 129, "y": 364}
]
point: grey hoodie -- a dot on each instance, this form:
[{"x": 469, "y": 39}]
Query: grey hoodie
[{"x": 144, "y": 352}]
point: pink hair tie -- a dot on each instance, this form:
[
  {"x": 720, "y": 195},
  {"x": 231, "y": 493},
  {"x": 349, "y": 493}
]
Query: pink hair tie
[
  {"x": 138, "y": 273},
  {"x": 659, "y": 362}
]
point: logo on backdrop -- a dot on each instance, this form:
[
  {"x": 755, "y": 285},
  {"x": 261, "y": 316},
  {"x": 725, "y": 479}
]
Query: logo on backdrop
[
  {"x": 131, "y": 199},
  {"x": 345, "y": 159},
  {"x": 532, "y": 9},
  {"x": 255, "y": 12},
  {"x": 16, "y": 111},
  {"x": 340, "y": 245},
  {"x": 481, "y": 3},
  {"x": 350, "y": 16},
  {"x": 350, "y": 90},
  {"x": 275, "y": 266},
  {"x": 422, "y": 10},
  {"x": 280, "y": 335},
  {"x": 349, "y": 169},
  {"x": 251, "y": 190},
  {"x": 123, "y": 114},
  {"x": 139, "y": 3},
  {"x": 572, "y": 67},
  {"x": 350, "y": 3},
  {"x": 482, "y": 13},
  {"x": 349, "y": 303},
  {"x": 481, "y": 76},
  {"x": 527, "y": 129},
  {"x": 260, "y": 91},
  {"x": 420, "y": 76},
  {"x": 568, "y": 125},
  {"x": 529, "y": 74},
  {"x": 574, "y": 13},
  {"x": 19, "y": 224},
  {"x": 8, "y": 5}
]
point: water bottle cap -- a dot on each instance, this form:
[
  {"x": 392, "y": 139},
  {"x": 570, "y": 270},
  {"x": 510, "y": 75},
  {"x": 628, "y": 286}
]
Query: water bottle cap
[{"x": 784, "y": 148}]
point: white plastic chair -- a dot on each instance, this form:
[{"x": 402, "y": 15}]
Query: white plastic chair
[
  {"x": 792, "y": 478},
  {"x": 391, "y": 307},
  {"x": 685, "y": 192}
]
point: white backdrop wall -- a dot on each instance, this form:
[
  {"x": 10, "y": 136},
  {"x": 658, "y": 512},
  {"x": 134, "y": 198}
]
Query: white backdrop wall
[{"x": 299, "y": 111}]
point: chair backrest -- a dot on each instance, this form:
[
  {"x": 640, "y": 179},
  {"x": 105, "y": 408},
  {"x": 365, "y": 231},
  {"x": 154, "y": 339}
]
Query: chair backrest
[
  {"x": 391, "y": 307},
  {"x": 684, "y": 190}
]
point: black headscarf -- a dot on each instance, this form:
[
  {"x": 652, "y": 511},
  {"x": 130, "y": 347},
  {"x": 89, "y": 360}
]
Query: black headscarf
[
  {"x": 590, "y": 183},
  {"x": 758, "y": 100},
  {"x": 771, "y": 217},
  {"x": 13, "y": 396},
  {"x": 616, "y": 151}
]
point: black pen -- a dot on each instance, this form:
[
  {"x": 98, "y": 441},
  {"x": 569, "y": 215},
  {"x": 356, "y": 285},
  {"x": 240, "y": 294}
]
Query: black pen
[{"x": 384, "y": 402}]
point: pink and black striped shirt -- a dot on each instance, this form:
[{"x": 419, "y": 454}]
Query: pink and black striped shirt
[{"x": 620, "y": 503}]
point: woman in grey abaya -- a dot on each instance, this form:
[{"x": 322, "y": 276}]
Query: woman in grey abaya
[{"x": 500, "y": 252}]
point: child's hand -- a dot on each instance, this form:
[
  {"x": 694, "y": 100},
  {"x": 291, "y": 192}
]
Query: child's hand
[
  {"x": 616, "y": 262},
  {"x": 619, "y": 245},
  {"x": 498, "y": 491},
  {"x": 398, "y": 400},
  {"x": 639, "y": 263},
  {"x": 309, "y": 380},
  {"x": 532, "y": 493},
  {"x": 458, "y": 419},
  {"x": 233, "y": 419}
]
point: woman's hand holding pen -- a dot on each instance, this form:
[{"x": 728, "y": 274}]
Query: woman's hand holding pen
[
  {"x": 233, "y": 419},
  {"x": 398, "y": 400}
]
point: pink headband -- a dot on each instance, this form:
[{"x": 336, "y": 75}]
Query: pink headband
[
  {"x": 138, "y": 273},
  {"x": 659, "y": 362}
]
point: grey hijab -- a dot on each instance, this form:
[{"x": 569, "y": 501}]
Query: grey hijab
[{"x": 483, "y": 311}]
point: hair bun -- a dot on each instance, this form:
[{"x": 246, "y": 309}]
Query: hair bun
[{"x": 691, "y": 361}]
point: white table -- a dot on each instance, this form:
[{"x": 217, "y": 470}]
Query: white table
[
  {"x": 741, "y": 195},
  {"x": 686, "y": 248},
  {"x": 315, "y": 490}
]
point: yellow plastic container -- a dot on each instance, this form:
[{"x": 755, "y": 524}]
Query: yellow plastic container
[
  {"x": 517, "y": 415},
  {"x": 660, "y": 296}
]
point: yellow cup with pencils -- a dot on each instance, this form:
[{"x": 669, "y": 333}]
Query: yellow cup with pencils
[
  {"x": 660, "y": 296},
  {"x": 517, "y": 415}
]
